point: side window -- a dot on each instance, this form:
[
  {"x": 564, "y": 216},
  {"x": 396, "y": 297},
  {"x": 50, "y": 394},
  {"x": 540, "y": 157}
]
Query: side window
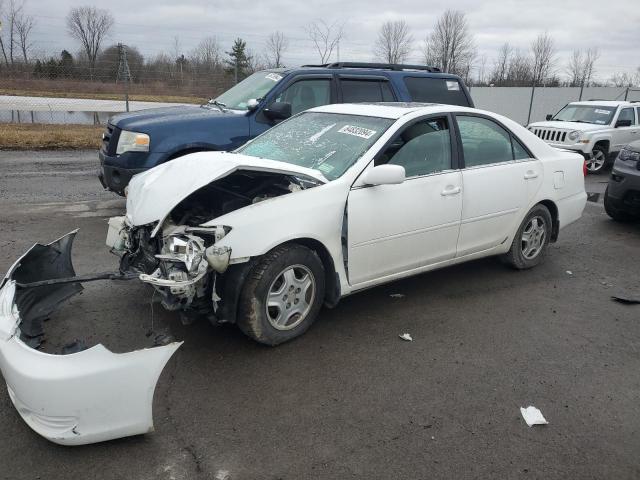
[
  {"x": 627, "y": 114},
  {"x": 436, "y": 90},
  {"x": 421, "y": 148},
  {"x": 519, "y": 152},
  {"x": 484, "y": 141},
  {"x": 354, "y": 91},
  {"x": 306, "y": 94}
]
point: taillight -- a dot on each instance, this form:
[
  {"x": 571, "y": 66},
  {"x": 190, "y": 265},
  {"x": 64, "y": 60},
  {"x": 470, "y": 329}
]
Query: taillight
[{"x": 584, "y": 168}]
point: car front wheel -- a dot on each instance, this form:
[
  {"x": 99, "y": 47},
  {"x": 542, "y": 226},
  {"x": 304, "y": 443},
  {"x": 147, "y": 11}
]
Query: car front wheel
[
  {"x": 598, "y": 159},
  {"x": 531, "y": 240},
  {"x": 282, "y": 295}
]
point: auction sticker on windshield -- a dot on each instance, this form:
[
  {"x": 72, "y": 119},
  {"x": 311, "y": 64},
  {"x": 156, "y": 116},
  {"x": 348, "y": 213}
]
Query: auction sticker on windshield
[
  {"x": 274, "y": 76},
  {"x": 602, "y": 112},
  {"x": 357, "y": 131}
]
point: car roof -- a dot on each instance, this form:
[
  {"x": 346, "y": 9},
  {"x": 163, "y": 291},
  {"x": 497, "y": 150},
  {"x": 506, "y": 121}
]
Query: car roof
[
  {"x": 605, "y": 103},
  {"x": 393, "y": 110}
]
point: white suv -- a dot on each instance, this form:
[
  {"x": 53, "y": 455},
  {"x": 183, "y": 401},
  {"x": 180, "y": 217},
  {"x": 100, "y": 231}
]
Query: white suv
[{"x": 594, "y": 128}]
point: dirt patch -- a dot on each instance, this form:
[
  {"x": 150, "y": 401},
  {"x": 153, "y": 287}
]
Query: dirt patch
[{"x": 47, "y": 137}]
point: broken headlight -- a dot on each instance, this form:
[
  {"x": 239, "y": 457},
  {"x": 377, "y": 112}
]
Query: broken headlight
[{"x": 188, "y": 250}]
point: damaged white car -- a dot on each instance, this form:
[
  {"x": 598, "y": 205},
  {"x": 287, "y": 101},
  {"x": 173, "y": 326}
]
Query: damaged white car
[{"x": 332, "y": 201}]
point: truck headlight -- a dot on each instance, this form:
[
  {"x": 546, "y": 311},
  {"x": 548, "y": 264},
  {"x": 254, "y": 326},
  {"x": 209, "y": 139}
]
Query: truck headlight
[
  {"x": 575, "y": 135},
  {"x": 132, "y": 142}
]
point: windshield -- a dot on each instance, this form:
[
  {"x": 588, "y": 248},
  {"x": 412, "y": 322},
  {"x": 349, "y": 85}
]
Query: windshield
[
  {"x": 255, "y": 86},
  {"x": 327, "y": 142},
  {"x": 586, "y": 114}
]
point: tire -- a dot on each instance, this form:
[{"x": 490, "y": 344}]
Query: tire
[
  {"x": 615, "y": 213},
  {"x": 598, "y": 160},
  {"x": 537, "y": 226},
  {"x": 282, "y": 295}
]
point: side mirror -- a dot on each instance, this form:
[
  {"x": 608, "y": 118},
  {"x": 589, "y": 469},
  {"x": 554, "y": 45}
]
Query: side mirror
[
  {"x": 623, "y": 123},
  {"x": 252, "y": 104},
  {"x": 384, "y": 175},
  {"x": 278, "y": 111},
  {"x": 549, "y": 116}
]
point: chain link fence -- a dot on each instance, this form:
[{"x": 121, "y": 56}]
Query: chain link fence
[{"x": 64, "y": 90}]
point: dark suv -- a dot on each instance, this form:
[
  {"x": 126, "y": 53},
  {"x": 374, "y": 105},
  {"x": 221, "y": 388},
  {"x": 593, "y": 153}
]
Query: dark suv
[
  {"x": 134, "y": 142},
  {"x": 622, "y": 197}
]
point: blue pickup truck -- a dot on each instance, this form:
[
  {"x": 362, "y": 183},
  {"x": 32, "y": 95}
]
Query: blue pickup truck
[{"x": 137, "y": 141}]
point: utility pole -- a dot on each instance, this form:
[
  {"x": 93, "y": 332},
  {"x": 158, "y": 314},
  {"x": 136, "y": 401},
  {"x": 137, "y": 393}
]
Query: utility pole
[{"x": 124, "y": 72}]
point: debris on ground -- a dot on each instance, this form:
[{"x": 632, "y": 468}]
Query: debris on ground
[
  {"x": 406, "y": 337},
  {"x": 533, "y": 416},
  {"x": 626, "y": 299},
  {"x": 397, "y": 295},
  {"x": 569, "y": 272}
]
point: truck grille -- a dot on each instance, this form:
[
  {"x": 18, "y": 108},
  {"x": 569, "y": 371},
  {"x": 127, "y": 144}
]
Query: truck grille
[
  {"x": 110, "y": 139},
  {"x": 551, "y": 136}
]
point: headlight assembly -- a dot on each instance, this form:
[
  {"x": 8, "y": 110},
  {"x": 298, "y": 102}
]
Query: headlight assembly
[
  {"x": 629, "y": 155},
  {"x": 132, "y": 142},
  {"x": 188, "y": 250},
  {"x": 575, "y": 135}
]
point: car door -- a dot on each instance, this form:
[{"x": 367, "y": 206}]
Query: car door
[
  {"x": 397, "y": 228},
  {"x": 622, "y": 136},
  {"x": 499, "y": 179}
]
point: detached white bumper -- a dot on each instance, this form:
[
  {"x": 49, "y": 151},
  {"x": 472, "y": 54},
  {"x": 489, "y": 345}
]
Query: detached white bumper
[{"x": 86, "y": 397}]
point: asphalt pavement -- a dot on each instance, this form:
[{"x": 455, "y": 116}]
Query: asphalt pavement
[{"x": 350, "y": 399}]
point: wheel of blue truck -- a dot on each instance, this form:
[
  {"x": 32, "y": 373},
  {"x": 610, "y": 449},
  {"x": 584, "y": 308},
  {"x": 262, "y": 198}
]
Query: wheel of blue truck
[
  {"x": 598, "y": 159},
  {"x": 282, "y": 295}
]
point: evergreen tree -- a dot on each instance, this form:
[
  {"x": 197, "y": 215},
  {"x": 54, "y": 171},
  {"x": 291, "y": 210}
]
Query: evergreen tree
[{"x": 238, "y": 62}]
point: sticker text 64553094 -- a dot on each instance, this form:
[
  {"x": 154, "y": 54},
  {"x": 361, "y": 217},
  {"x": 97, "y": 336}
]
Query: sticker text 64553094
[{"x": 357, "y": 131}]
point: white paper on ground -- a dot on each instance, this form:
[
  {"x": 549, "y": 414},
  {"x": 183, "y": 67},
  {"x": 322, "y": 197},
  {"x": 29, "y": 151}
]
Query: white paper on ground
[
  {"x": 406, "y": 336},
  {"x": 533, "y": 416}
]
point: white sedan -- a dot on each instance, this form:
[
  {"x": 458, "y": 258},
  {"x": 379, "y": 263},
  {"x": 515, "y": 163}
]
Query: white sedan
[
  {"x": 338, "y": 199},
  {"x": 329, "y": 202}
]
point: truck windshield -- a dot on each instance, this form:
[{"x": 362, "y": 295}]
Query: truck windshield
[
  {"x": 255, "y": 86},
  {"x": 586, "y": 114},
  {"x": 327, "y": 142}
]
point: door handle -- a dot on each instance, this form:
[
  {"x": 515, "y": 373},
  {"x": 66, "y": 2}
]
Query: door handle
[
  {"x": 530, "y": 174},
  {"x": 450, "y": 190}
]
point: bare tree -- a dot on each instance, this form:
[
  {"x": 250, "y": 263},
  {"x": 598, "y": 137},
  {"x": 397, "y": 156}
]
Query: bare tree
[
  {"x": 450, "y": 46},
  {"x": 501, "y": 64},
  {"x": 590, "y": 59},
  {"x": 519, "y": 72},
  {"x": 277, "y": 44},
  {"x": 2, "y": 43},
  {"x": 325, "y": 37},
  {"x": 575, "y": 68},
  {"x": 208, "y": 54},
  {"x": 543, "y": 51},
  {"x": 90, "y": 26},
  {"x": 24, "y": 25},
  {"x": 482, "y": 70},
  {"x": 393, "y": 44}
]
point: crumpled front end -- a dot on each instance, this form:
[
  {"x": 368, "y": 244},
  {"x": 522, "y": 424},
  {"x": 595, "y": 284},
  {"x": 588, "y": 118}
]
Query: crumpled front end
[{"x": 83, "y": 397}]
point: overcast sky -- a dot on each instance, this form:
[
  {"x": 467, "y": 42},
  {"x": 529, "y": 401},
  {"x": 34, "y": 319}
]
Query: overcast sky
[{"x": 611, "y": 25}]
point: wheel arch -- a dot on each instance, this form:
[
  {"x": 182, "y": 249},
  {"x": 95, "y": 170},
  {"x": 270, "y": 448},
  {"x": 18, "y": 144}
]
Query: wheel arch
[
  {"x": 332, "y": 283},
  {"x": 605, "y": 142},
  {"x": 185, "y": 150},
  {"x": 555, "y": 218}
]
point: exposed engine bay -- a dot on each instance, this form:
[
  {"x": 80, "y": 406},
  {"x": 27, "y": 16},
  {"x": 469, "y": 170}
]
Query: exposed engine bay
[{"x": 182, "y": 261}]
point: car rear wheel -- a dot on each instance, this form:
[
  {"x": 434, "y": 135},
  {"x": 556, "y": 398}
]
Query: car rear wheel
[
  {"x": 615, "y": 213},
  {"x": 531, "y": 240},
  {"x": 598, "y": 159},
  {"x": 282, "y": 295}
]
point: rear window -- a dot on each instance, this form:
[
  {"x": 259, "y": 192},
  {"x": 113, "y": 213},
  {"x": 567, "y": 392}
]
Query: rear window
[
  {"x": 436, "y": 90},
  {"x": 354, "y": 91}
]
